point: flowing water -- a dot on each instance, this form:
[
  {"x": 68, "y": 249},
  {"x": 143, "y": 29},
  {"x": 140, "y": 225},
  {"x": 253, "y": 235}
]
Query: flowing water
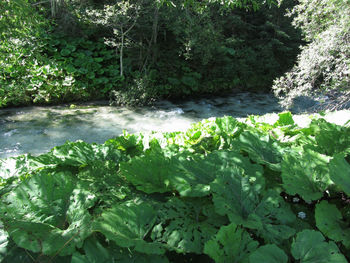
[{"x": 38, "y": 129}]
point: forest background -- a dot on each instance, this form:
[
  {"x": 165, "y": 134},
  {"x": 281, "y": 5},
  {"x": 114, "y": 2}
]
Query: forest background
[{"x": 139, "y": 51}]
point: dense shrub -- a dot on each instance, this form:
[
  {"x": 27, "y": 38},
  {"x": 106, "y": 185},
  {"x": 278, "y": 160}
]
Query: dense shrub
[
  {"x": 323, "y": 65},
  {"x": 138, "y": 51}
]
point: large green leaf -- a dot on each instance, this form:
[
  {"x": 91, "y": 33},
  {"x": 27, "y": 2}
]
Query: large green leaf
[
  {"x": 285, "y": 118},
  {"x": 331, "y": 138},
  {"x": 185, "y": 225},
  {"x": 189, "y": 175},
  {"x": 128, "y": 225},
  {"x": 329, "y": 221},
  {"x": 70, "y": 154},
  {"x": 223, "y": 159},
  {"x": 95, "y": 252},
  {"x": 194, "y": 174},
  {"x": 268, "y": 253},
  {"x": 306, "y": 174},
  {"x": 48, "y": 213},
  {"x": 228, "y": 128},
  {"x": 209, "y": 135},
  {"x": 340, "y": 172},
  {"x": 11, "y": 253},
  {"x": 236, "y": 194},
  {"x": 231, "y": 244},
  {"x": 311, "y": 247},
  {"x": 14, "y": 168},
  {"x": 239, "y": 197},
  {"x": 260, "y": 148},
  {"x": 273, "y": 218},
  {"x": 130, "y": 144},
  {"x": 80, "y": 153},
  {"x": 149, "y": 173},
  {"x": 102, "y": 179}
]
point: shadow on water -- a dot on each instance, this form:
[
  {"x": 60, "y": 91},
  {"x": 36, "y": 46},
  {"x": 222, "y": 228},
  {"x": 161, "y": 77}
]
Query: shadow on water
[{"x": 38, "y": 129}]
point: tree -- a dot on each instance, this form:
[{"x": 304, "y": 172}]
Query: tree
[
  {"x": 121, "y": 17},
  {"x": 254, "y": 4},
  {"x": 323, "y": 65}
]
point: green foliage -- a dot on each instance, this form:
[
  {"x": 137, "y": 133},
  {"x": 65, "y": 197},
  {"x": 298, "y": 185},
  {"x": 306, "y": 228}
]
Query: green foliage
[
  {"x": 232, "y": 243},
  {"x": 329, "y": 221},
  {"x": 306, "y": 174},
  {"x": 186, "y": 225},
  {"x": 59, "y": 69},
  {"x": 224, "y": 190},
  {"x": 321, "y": 65},
  {"x": 140, "y": 51},
  {"x": 268, "y": 253},
  {"x": 59, "y": 219},
  {"x": 217, "y": 49},
  {"x": 338, "y": 166},
  {"x": 310, "y": 246},
  {"x": 127, "y": 224}
]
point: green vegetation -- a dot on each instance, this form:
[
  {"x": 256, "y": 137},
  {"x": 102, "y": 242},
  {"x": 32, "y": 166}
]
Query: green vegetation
[
  {"x": 323, "y": 65},
  {"x": 135, "y": 52},
  {"x": 223, "y": 191}
]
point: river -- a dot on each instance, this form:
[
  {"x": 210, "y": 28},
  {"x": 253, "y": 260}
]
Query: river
[{"x": 38, "y": 129}]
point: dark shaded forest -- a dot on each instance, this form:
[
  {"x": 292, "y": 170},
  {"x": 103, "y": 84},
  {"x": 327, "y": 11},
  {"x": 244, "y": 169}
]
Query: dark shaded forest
[{"x": 137, "y": 52}]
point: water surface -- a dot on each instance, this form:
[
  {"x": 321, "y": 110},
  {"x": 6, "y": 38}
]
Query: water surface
[{"x": 38, "y": 129}]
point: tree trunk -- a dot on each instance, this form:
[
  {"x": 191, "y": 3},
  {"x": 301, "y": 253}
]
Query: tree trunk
[
  {"x": 153, "y": 39},
  {"x": 121, "y": 54}
]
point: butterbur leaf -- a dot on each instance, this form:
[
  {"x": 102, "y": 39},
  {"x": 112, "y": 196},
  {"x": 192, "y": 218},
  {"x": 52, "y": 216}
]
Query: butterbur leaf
[
  {"x": 25, "y": 164},
  {"x": 231, "y": 244},
  {"x": 272, "y": 218},
  {"x": 331, "y": 138},
  {"x": 306, "y": 174},
  {"x": 103, "y": 180},
  {"x": 192, "y": 174},
  {"x": 149, "y": 173},
  {"x": 11, "y": 253},
  {"x": 186, "y": 225},
  {"x": 69, "y": 154},
  {"x": 236, "y": 194},
  {"x": 128, "y": 224},
  {"x": 310, "y": 247},
  {"x": 80, "y": 153},
  {"x": 329, "y": 221},
  {"x": 260, "y": 148},
  {"x": 228, "y": 128},
  {"x": 227, "y": 158},
  {"x": 268, "y": 253},
  {"x": 195, "y": 174},
  {"x": 48, "y": 213},
  {"x": 285, "y": 118},
  {"x": 156, "y": 172},
  {"x": 340, "y": 172},
  {"x": 130, "y": 144},
  {"x": 95, "y": 252}
]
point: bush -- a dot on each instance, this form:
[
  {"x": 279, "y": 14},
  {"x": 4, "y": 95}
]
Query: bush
[{"x": 323, "y": 65}]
